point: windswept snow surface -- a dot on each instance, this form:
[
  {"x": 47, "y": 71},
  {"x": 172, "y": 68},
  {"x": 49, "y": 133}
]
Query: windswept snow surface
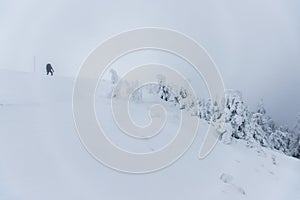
[{"x": 43, "y": 158}]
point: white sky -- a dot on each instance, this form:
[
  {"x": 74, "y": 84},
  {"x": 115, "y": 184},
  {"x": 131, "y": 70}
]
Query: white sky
[{"x": 256, "y": 44}]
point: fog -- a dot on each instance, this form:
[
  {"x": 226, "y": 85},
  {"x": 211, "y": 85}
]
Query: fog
[{"x": 255, "y": 44}]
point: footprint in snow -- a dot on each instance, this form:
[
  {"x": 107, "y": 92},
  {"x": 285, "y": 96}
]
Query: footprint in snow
[{"x": 228, "y": 179}]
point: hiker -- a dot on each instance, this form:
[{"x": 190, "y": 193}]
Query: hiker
[{"x": 49, "y": 69}]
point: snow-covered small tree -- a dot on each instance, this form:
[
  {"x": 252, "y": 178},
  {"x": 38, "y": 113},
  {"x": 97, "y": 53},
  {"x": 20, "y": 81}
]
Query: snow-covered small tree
[
  {"x": 258, "y": 133},
  {"x": 135, "y": 92},
  {"x": 235, "y": 114},
  {"x": 114, "y": 76},
  {"x": 201, "y": 110},
  {"x": 260, "y": 120},
  {"x": 294, "y": 140},
  {"x": 278, "y": 140}
]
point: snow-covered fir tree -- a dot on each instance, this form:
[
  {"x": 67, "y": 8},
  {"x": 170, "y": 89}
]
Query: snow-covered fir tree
[
  {"x": 114, "y": 76},
  {"x": 125, "y": 88},
  {"x": 294, "y": 140},
  {"x": 256, "y": 128}
]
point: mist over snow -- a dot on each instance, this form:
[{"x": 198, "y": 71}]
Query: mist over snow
[{"x": 255, "y": 44}]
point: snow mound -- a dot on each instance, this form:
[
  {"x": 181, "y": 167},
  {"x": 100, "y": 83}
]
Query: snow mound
[{"x": 43, "y": 158}]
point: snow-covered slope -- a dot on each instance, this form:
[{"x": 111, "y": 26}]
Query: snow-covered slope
[{"x": 42, "y": 157}]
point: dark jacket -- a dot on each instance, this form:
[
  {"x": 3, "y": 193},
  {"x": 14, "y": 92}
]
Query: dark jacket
[{"x": 49, "y": 68}]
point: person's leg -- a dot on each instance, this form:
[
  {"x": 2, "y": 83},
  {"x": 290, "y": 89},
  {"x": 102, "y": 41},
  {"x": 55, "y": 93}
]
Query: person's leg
[
  {"x": 51, "y": 73},
  {"x": 47, "y": 72}
]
